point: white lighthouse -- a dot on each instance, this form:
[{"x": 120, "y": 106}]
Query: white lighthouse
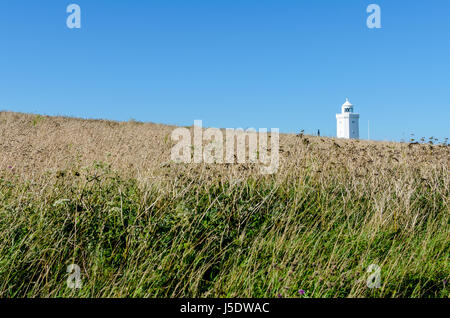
[{"x": 347, "y": 122}]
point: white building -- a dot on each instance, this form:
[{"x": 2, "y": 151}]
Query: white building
[{"x": 347, "y": 122}]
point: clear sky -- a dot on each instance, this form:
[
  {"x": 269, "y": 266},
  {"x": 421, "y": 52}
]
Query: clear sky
[{"x": 285, "y": 64}]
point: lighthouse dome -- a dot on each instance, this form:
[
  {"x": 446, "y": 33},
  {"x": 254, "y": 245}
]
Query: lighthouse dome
[
  {"x": 347, "y": 103},
  {"x": 347, "y": 107}
]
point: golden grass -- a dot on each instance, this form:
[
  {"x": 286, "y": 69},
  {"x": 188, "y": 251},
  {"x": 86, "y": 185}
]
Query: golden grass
[
  {"x": 35, "y": 144},
  {"x": 340, "y": 202}
]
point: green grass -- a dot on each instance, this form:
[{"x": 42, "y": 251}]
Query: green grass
[{"x": 260, "y": 238}]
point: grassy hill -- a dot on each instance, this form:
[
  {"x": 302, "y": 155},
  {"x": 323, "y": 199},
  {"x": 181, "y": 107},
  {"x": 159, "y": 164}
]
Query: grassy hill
[{"x": 105, "y": 195}]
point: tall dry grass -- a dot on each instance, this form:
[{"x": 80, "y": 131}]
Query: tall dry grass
[{"x": 104, "y": 195}]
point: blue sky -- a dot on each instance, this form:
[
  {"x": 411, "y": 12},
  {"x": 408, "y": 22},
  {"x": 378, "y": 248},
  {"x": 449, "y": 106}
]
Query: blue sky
[{"x": 285, "y": 64}]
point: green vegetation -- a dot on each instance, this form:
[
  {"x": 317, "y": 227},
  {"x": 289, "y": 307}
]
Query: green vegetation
[{"x": 260, "y": 237}]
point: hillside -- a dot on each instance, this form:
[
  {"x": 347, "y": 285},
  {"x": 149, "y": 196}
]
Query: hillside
[{"x": 105, "y": 195}]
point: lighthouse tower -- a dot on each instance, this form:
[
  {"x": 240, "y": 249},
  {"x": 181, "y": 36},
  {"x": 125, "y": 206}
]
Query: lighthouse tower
[{"x": 347, "y": 122}]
